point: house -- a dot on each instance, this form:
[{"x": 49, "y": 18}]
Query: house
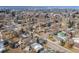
[
  {"x": 36, "y": 47},
  {"x": 2, "y": 48},
  {"x": 76, "y": 42},
  {"x": 62, "y": 35}
]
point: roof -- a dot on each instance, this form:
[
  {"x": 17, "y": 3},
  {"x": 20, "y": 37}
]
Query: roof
[
  {"x": 76, "y": 40},
  {"x": 62, "y": 35},
  {"x": 36, "y": 46},
  {"x": 1, "y": 46}
]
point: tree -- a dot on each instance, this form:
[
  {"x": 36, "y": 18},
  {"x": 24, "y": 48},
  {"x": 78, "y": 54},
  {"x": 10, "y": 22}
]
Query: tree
[{"x": 71, "y": 24}]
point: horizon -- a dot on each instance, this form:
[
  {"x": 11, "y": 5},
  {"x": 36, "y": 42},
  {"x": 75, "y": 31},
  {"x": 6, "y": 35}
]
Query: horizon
[{"x": 39, "y": 7}]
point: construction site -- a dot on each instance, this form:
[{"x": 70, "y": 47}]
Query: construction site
[{"x": 39, "y": 30}]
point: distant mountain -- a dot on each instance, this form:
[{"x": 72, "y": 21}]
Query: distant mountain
[{"x": 38, "y": 7}]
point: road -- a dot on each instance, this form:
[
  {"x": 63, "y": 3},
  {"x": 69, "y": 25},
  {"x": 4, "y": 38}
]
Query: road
[
  {"x": 54, "y": 45},
  {"x": 57, "y": 47}
]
